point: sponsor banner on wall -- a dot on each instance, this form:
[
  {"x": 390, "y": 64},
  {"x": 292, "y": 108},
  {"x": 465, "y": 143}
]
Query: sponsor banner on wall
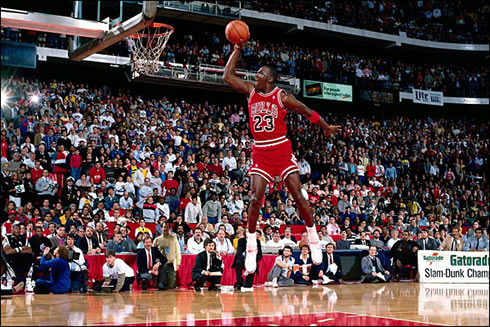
[
  {"x": 453, "y": 267},
  {"x": 328, "y": 91},
  {"x": 428, "y": 97}
]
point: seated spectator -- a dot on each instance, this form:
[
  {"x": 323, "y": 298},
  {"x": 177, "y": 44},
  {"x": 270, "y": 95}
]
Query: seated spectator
[
  {"x": 453, "y": 242},
  {"x": 304, "y": 271},
  {"x": 58, "y": 239},
  {"x": 19, "y": 257},
  {"x": 477, "y": 242},
  {"x": 280, "y": 275},
  {"x": 152, "y": 265},
  {"x": 38, "y": 242},
  {"x": 343, "y": 243},
  {"x": 78, "y": 269},
  {"x": 59, "y": 276},
  {"x": 404, "y": 252},
  {"x": 413, "y": 228},
  {"x": 426, "y": 242},
  {"x": 239, "y": 234},
  {"x": 332, "y": 227},
  {"x": 208, "y": 267},
  {"x": 223, "y": 244},
  {"x": 118, "y": 245},
  {"x": 363, "y": 240},
  {"x": 276, "y": 241},
  {"x": 169, "y": 247},
  {"x": 118, "y": 276},
  {"x": 239, "y": 264},
  {"x": 332, "y": 268},
  {"x": 195, "y": 244},
  {"x": 394, "y": 238},
  {"x": 207, "y": 228},
  {"x": 180, "y": 222},
  {"x": 228, "y": 227},
  {"x": 89, "y": 243},
  {"x": 376, "y": 241},
  {"x": 287, "y": 238},
  {"x": 125, "y": 230},
  {"x": 372, "y": 268}
]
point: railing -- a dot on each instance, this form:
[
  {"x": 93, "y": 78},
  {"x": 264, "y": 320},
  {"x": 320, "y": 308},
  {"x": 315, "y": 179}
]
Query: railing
[{"x": 204, "y": 8}]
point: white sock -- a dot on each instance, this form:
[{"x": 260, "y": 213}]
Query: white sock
[{"x": 274, "y": 280}]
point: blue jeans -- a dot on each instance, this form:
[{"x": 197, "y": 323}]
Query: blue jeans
[
  {"x": 75, "y": 173},
  {"x": 212, "y": 220}
]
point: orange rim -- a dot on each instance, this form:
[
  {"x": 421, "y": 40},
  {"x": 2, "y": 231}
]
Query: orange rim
[{"x": 154, "y": 25}]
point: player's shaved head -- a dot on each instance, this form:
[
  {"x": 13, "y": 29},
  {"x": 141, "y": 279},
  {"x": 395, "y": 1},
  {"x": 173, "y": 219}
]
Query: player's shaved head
[{"x": 271, "y": 71}]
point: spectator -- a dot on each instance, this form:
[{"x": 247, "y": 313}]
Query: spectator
[
  {"x": 332, "y": 267},
  {"x": 372, "y": 267},
  {"x": 280, "y": 275},
  {"x": 404, "y": 252},
  {"x": 89, "y": 243},
  {"x": 193, "y": 211},
  {"x": 168, "y": 246},
  {"x": 78, "y": 269},
  {"x": 362, "y": 240},
  {"x": 152, "y": 265},
  {"x": 426, "y": 242},
  {"x": 118, "y": 276},
  {"x": 208, "y": 268},
  {"x": 477, "y": 242},
  {"x": 223, "y": 244},
  {"x": 453, "y": 242},
  {"x": 195, "y": 244},
  {"x": 118, "y": 245},
  {"x": 141, "y": 228},
  {"x": 212, "y": 209},
  {"x": 239, "y": 264},
  {"x": 343, "y": 243},
  {"x": 304, "y": 271}
]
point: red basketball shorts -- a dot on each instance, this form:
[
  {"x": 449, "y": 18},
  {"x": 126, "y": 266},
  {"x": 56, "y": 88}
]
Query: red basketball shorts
[{"x": 273, "y": 160}]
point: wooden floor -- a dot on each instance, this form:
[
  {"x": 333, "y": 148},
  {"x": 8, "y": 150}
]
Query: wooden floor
[{"x": 357, "y": 304}]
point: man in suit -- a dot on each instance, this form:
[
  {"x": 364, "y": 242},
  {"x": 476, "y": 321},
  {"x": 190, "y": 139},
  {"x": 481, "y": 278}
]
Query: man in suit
[
  {"x": 477, "y": 242},
  {"x": 239, "y": 264},
  {"x": 329, "y": 261},
  {"x": 426, "y": 243},
  {"x": 89, "y": 243},
  {"x": 371, "y": 266},
  {"x": 118, "y": 245},
  {"x": 404, "y": 252},
  {"x": 207, "y": 262},
  {"x": 454, "y": 242},
  {"x": 363, "y": 239},
  {"x": 151, "y": 264}
]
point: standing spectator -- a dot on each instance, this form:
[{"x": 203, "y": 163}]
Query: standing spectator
[
  {"x": 212, "y": 209},
  {"x": 97, "y": 174},
  {"x": 193, "y": 211},
  {"x": 304, "y": 169},
  {"x": 168, "y": 246},
  {"x": 239, "y": 264}
]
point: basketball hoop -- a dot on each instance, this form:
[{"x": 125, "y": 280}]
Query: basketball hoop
[{"x": 147, "y": 46}]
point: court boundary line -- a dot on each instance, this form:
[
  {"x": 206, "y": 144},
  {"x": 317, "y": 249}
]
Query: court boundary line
[
  {"x": 409, "y": 320},
  {"x": 263, "y": 316}
]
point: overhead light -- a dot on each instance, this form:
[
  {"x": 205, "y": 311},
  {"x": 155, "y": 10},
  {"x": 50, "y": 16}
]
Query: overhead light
[
  {"x": 35, "y": 98},
  {"x": 5, "y": 98}
]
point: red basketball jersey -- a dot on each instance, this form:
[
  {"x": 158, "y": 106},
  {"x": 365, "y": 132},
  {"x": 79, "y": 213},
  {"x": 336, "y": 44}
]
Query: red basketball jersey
[{"x": 267, "y": 117}]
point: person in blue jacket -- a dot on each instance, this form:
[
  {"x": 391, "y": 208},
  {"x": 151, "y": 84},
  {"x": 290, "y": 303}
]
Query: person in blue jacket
[
  {"x": 304, "y": 271},
  {"x": 59, "y": 277}
]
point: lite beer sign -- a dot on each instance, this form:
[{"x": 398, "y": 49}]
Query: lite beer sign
[{"x": 428, "y": 97}]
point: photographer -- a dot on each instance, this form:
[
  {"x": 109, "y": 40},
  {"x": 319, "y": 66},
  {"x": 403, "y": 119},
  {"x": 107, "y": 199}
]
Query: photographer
[
  {"x": 117, "y": 273},
  {"x": 77, "y": 265},
  {"x": 208, "y": 268},
  {"x": 59, "y": 277}
]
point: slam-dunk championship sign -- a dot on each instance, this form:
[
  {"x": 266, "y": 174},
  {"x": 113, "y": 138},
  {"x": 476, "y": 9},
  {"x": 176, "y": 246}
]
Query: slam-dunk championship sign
[{"x": 453, "y": 267}]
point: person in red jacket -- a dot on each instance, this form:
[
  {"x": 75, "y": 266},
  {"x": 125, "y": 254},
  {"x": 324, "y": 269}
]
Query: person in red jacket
[
  {"x": 97, "y": 174},
  {"x": 170, "y": 182},
  {"x": 76, "y": 164},
  {"x": 36, "y": 172}
]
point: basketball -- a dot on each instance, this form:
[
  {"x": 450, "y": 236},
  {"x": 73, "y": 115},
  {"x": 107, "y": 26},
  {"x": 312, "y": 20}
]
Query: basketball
[{"x": 237, "y": 32}]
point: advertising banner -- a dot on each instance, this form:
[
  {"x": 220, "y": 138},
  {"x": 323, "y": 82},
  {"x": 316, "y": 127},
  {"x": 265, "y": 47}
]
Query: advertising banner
[
  {"x": 328, "y": 91},
  {"x": 428, "y": 97},
  {"x": 17, "y": 54},
  {"x": 453, "y": 267}
]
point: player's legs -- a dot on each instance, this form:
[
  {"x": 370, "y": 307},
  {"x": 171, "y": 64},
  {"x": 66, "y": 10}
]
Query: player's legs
[
  {"x": 258, "y": 185},
  {"x": 294, "y": 187}
]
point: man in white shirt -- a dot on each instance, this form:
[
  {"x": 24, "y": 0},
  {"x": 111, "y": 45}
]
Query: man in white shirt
[
  {"x": 118, "y": 276},
  {"x": 229, "y": 161},
  {"x": 195, "y": 244},
  {"x": 280, "y": 275},
  {"x": 125, "y": 202},
  {"x": 394, "y": 238},
  {"x": 223, "y": 244},
  {"x": 276, "y": 241},
  {"x": 228, "y": 227},
  {"x": 193, "y": 211},
  {"x": 77, "y": 266}
]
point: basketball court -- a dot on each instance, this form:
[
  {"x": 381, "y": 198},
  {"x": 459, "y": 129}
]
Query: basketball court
[
  {"x": 400, "y": 304},
  {"x": 404, "y": 304}
]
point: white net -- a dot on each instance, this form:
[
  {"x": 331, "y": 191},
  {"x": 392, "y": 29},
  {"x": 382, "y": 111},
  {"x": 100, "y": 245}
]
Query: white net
[{"x": 147, "y": 46}]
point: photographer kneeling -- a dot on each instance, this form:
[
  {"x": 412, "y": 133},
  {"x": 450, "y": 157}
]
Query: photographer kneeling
[
  {"x": 59, "y": 276},
  {"x": 117, "y": 274},
  {"x": 208, "y": 267}
]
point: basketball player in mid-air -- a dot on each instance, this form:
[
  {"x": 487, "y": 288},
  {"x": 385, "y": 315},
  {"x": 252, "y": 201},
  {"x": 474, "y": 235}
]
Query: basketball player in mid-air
[{"x": 272, "y": 154}]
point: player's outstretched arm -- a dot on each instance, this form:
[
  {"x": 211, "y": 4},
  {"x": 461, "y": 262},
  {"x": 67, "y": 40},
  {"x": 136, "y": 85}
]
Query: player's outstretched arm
[
  {"x": 229, "y": 76},
  {"x": 292, "y": 103}
]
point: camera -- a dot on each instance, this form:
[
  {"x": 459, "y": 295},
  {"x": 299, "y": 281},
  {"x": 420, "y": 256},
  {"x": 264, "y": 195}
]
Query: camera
[{"x": 72, "y": 255}]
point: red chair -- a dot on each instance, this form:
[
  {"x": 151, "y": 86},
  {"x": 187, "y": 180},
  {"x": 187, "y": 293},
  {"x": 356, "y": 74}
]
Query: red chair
[{"x": 410, "y": 269}]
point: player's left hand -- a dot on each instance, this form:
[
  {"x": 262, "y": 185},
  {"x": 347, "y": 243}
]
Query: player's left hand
[{"x": 332, "y": 129}]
